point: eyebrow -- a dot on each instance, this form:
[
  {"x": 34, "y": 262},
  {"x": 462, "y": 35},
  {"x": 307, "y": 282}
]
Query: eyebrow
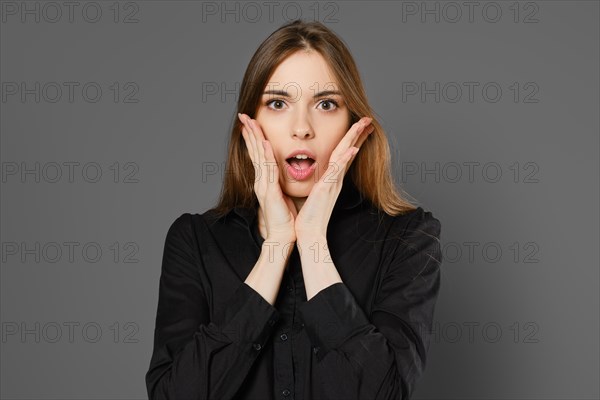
[{"x": 283, "y": 93}]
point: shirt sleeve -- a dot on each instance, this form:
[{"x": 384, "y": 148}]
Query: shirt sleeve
[
  {"x": 194, "y": 357},
  {"x": 381, "y": 356}
]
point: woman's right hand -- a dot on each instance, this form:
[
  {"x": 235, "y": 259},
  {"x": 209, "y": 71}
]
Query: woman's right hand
[{"x": 278, "y": 209}]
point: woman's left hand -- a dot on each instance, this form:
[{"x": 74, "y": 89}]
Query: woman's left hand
[{"x": 313, "y": 218}]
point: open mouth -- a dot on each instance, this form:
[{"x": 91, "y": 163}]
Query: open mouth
[{"x": 300, "y": 163}]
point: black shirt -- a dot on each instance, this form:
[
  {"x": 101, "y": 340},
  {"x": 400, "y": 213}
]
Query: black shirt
[{"x": 364, "y": 338}]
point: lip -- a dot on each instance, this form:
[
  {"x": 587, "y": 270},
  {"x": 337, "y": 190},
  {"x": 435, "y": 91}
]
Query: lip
[
  {"x": 302, "y": 151},
  {"x": 300, "y": 174}
]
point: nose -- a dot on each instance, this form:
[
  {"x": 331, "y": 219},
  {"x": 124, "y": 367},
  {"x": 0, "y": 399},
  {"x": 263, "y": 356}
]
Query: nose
[
  {"x": 303, "y": 133},
  {"x": 302, "y": 128}
]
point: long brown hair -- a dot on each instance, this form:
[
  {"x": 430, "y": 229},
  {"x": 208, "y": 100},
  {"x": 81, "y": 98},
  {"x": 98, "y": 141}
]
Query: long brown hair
[{"x": 371, "y": 169}]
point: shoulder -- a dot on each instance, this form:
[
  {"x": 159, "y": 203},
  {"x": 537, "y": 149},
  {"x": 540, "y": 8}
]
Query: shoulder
[
  {"x": 421, "y": 221},
  {"x": 186, "y": 227},
  {"x": 416, "y": 231},
  {"x": 182, "y": 225},
  {"x": 188, "y": 220},
  {"x": 190, "y": 226},
  {"x": 404, "y": 223},
  {"x": 180, "y": 232},
  {"x": 401, "y": 225}
]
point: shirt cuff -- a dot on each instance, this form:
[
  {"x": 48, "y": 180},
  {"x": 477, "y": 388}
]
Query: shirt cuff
[
  {"x": 247, "y": 319},
  {"x": 331, "y": 317}
]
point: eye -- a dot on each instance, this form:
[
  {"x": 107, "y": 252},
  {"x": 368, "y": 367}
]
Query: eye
[
  {"x": 278, "y": 101},
  {"x": 329, "y": 101}
]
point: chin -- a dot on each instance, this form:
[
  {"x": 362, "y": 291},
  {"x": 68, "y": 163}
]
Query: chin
[{"x": 297, "y": 188}]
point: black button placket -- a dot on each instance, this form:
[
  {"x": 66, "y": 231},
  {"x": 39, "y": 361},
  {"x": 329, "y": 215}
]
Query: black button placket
[{"x": 283, "y": 340}]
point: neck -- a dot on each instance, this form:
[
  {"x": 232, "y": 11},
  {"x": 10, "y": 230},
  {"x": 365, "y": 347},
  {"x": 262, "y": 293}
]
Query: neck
[{"x": 298, "y": 202}]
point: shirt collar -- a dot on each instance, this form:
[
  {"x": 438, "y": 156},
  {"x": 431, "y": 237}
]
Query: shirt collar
[{"x": 349, "y": 198}]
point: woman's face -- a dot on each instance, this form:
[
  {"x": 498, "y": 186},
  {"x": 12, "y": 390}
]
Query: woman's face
[{"x": 298, "y": 111}]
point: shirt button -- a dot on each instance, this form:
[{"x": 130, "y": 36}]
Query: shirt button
[
  {"x": 257, "y": 346},
  {"x": 290, "y": 289},
  {"x": 316, "y": 349},
  {"x": 283, "y": 336},
  {"x": 286, "y": 392}
]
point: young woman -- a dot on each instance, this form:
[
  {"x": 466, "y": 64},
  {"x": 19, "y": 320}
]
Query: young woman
[{"x": 312, "y": 278}]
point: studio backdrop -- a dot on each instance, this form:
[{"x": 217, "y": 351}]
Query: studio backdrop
[{"x": 115, "y": 119}]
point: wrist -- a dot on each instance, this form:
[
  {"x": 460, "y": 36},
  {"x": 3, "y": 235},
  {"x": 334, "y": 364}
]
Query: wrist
[
  {"x": 281, "y": 240},
  {"x": 279, "y": 244},
  {"x": 311, "y": 242},
  {"x": 306, "y": 233}
]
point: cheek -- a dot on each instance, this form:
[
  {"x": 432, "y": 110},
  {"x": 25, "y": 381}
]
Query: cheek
[
  {"x": 326, "y": 150},
  {"x": 275, "y": 138},
  {"x": 332, "y": 138},
  {"x": 268, "y": 129},
  {"x": 335, "y": 127}
]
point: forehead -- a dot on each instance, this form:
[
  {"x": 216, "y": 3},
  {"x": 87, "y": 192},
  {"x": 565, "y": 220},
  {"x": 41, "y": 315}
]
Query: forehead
[{"x": 307, "y": 70}]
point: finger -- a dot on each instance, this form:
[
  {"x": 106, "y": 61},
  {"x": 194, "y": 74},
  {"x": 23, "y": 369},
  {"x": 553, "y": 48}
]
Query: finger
[
  {"x": 347, "y": 153},
  {"x": 253, "y": 142},
  {"x": 246, "y": 137},
  {"x": 265, "y": 162},
  {"x": 269, "y": 155},
  {"x": 250, "y": 152},
  {"x": 259, "y": 138},
  {"x": 352, "y": 152},
  {"x": 363, "y": 132},
  {"x": 349, "y": 139},
  {"x": 271, "y": 164},
  {"x": 353, "y": 134},
  {"x": 244, "y": 121},
  {"x": 260, "y": 147},
  {"x": 364, "y": 136},
  {"x": 338, "y": 168},
  {"x": 257, "y": 129},
  {"x": 251, "y": 145},
  {"x": 344, "y": 161}
]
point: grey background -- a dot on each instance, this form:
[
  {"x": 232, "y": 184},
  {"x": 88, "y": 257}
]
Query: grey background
[{"x": 533, "y": 311}]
